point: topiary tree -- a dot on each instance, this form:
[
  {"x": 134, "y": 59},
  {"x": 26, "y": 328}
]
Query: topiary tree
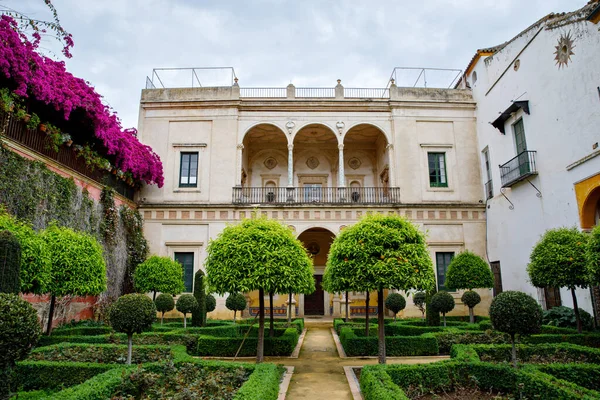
[
  {"x": 379, "y": 252},
  {"x": 19, "y": 333},
  {"x": 395, "y": 302},
  {"x": 442, "y": 302},
  {"x": 559, "y": 260},
  {"x": 471, "y": 299},
  {"x": 77, "y": 265},
  {"x": 186, "y": 303},
  {"x": 211, "y": 303},
  {"x": 593, "y": 256},
  {"x": 514, "y": 313},
  {"x": 132, "y": 313},
  {"x": 159, "y": 274},
  {"x": 469, "y": 271},
  {"x": 199, "y": 313},
  {"x": 164, "y": 303},
  {"x": 35, "y": 274},
  {"x": 419, "y": 302},
  {"x": 235, "y": 302},
  {"x": 10, "y": 263},
  {"x": 259, "y": 254},
  {"x": 431, "y": 315}
]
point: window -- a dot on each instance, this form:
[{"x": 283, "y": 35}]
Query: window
[
  {"x": 495, "y": 266},
  {"x": 489, "y": 188},
  {"x": 521, "y": 147},
  {"x": 442, "y": 260},
  {"x": 188, "y": 171},
  {"x": 437, "y": 169},
  {"x": 187, "y": 262},
  {"x": 552, "y": 297}
]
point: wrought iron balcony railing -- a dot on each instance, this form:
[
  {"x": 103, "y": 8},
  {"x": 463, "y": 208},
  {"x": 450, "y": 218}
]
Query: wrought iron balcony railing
[
  {"x": 518, "y": 168},
  {"x": 489, "y": 190},
  {"x": 315, "y": 195}
]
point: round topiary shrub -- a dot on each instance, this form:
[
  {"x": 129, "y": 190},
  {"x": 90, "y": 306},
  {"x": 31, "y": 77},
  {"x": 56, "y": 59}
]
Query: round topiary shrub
[
  {"x": 164, "y": 303},
  {"x": 10, "y": 263},
  {"x": 19, "y": 333},
  {"x": 419, "y": 302},
  {"x": 211, "y": 303},
  {"x": 132, "y": 313},
  {"x": 514, "y": 313},
  {"x": 470, "y": 299},
  {"x": 442, "y": 302},
  {"x": 235, "y": 302},
  {"x": 395, "y": 302},
  {"x": 186, "y": 303}
]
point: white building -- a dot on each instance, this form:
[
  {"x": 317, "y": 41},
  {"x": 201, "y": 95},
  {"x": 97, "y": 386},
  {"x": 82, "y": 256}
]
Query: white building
[{"x": 538, "y": 127}]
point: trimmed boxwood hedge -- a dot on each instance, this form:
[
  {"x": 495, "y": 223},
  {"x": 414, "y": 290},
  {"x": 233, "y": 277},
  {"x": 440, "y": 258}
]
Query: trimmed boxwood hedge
[
  {"x": 83, "y": 331},
  {"x": 356, "y": 345},
  {"x": 585, "y": 375},
  {"x": 107, "y": 353},
  {"x": 539, "y": 353},
  {"x": 282, "y": 344},
  {"x": 37, "y": 375},
  {"x": 589, "y": 340}
]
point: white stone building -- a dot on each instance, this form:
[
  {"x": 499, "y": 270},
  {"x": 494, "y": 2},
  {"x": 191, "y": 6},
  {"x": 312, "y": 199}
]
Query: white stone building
[
  {"x": 317, "y": 159},
  {"x": 538, "y": 119}
]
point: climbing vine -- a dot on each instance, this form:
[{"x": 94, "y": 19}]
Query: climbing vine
[
  {"x": 137, "y": 246},
  {"x": 109, "y": 215}
]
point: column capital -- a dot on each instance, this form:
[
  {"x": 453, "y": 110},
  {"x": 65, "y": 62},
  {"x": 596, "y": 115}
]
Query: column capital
[
  {"x": 389, "y": 146},
  {"x": 290, "y": 147},
  {"x": 341, "y": 146},
  {"x": 240, "y": 146}
]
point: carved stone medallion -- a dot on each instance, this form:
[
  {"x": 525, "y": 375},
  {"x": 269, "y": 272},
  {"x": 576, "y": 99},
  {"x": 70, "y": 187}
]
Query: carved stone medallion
[
  {"x": 270, "y": 162},
  {"x": 564, "y": 50},
  {"x": 354, "y": 163},
  {"x": 312, "y": 162}
]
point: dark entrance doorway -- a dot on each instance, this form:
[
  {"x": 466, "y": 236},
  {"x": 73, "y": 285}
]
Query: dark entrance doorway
[{"x": 314, "y": 303}]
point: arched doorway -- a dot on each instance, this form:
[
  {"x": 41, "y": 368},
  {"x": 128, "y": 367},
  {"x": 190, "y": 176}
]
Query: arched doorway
[
  {"x": 588, "y": 199},
  {"x": 317, "y": 242}
]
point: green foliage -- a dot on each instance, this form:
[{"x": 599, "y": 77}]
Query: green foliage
[
  {"x": 10, "y": 263},
  {"x": 564, "y": 317},
  {"x": 376, "y": 384},
  {"x": 467, "y": 270},
  {"x": 539, "y": 353},
  {"x": 282, "y": 344},
  {"x": 19, "y": 329},
  {"x": 395, "y": 302},
  {"x": 159, "y": 274},
  {"x": 236, "y": 302},
  {"x": 585, "y": 375},
  {"x": 36, "y": 375},
  {"x": 379, "y": 252},
  {"x": 396, "y": 346},
  {"x": 211, "y": 303},
  {"x": 99, "y": 353},
  {"x": 559, "y": 259},
  {"x": 419, "y": 301},
  {"x": 199, "y": 313},
  {"x": 263, "y": 384},
  {"x": 77, "y": 264},
  {"x": 589, "y": 340},
  {"x": 470, "y": 298},
  {"x": 35, "y": 261},
  {"x": 593, "y": 255},
  {"x": 132, "y": 313},
  {"x": 515, "y": 312},
  {"x": 186, "y": 303},
  {"x": 258, "y": 253},
  {"x": 164, "y": 303},
  {"x": 108, "y": 226},
  {"x": 442, "y": 302},
  {"x": 432, "y": 316},
  {"x": 449, "y": 337},
  {"x": 137, "y": 246}
]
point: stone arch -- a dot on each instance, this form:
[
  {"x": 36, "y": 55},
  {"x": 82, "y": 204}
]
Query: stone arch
[
  {"x": 316, "y": 124},
  {"x": 264, "y": 154},
  {"x": 374, "y": 125},
  {"x": 590, "y": 209},
  {"x": 366, "y": 155},
  {"x": 256, "y": 124}
]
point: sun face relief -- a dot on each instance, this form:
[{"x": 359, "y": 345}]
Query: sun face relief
[{"x": 564, "y": 50}]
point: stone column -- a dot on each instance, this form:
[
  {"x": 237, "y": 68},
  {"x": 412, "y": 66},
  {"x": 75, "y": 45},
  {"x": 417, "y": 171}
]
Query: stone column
[
  {"x": 290, "y": 165},
  {"x": 392, "y": 169},
  {"x": 337, "y": 310},
  {"x": 238, "y": 165},
  {"x": 341, "y": 174}
]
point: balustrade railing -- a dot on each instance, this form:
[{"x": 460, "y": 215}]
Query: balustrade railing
[
  {"x": 518, "y": 168},
  {"x": 315, "y": 195},
  {"x": 315, "y": 92},
  {"x": 271, "y": 92},
  {"x": 366, "y": 93}
]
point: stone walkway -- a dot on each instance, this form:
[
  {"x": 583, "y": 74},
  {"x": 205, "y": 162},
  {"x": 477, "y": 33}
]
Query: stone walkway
[{"x": 319, "y": 372}]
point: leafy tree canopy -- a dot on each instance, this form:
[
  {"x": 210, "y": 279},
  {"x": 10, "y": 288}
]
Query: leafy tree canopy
[
  {"x": 258, "y": 253},
  {"x": 159, "y": 274},
  {"x": 236, "y": 302},
  {"x": 470, "y": 298},
  {"x": 19, "y": 330},
  {"x": 77, "y": 264},
  {"x": 395, "y": 302},
  {"x": 559, "y": 259},
  {"x": 186, "y": 303},
  {"x": 164, "y": 302},
  {"x": 468, "y": 271},
  {"x": 593, "y": 255},
  {"x": 386, "y": 252},
  {"x": 515, "y": 312},
  {"x": 132, "y": 313},
  {"x": 442, "y": 302}
]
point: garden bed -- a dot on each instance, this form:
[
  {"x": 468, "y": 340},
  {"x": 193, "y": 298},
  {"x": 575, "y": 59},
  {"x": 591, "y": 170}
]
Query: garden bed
[
  {"x": 100, "y": 353},
  {"x": 282, "y": 344}
]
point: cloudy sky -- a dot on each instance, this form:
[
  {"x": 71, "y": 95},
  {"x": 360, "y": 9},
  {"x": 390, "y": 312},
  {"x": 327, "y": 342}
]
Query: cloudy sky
[{"x": 274, "y": 42}]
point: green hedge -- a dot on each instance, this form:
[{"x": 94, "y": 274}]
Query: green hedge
[
  {"x": 355, "y": 345},
  {"x": 101, "y": 353},
  {"x": 376, "y": 384},
  {"x": 263, "y": 384},
  {"x": 538, "y": 353},
  {"x": 83, "y": 331},
  {"x": 100, "y": 387},
  {"x": 549, "y": 329},
  {"x": 282, "y": 344},
  {"x": 589, "y": 340},
  {"x": 585, "y": 375},
  {"x": 37, "y": 375},
  {"x": 453, "y": 336}
]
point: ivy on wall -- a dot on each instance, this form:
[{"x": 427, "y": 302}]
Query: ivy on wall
[{"x": 31, "y": 192}]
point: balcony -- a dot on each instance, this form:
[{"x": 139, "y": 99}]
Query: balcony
[
  {"x": 518, "y": 168},
  {"x": 315, "y": 195}
]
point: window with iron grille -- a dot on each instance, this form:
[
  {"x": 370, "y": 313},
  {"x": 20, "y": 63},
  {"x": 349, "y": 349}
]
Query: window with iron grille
[
  {"x": 437, "y": 169},
  {"x": 442, "y": 260},
  {"x": 188, "y": 171},
  {"x": 187, "y": 262}
]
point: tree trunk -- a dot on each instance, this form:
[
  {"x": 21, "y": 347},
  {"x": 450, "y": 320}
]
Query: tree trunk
[
  {"x": 514, "y": 351},
  {"x": 367, "y": 316},
  {"x": 444, "y": 315},
  {"x": 381, "y": 326},
  {"x": 576, "y": 309},
  {"x": 154, "y": 295},
  {"x": 290, "y": 309},
  {"x": 471, "y": 315},
  {"x": 51, "y": 314},
  {"x": 129, "y": 347},
  {"x": 347, "y": 307},
  {"x": 271, "y": 327},
  {"x": 260, "y": 347},
  {"x": 234, "y": 312},
  {"x": 162, "y": 317}
]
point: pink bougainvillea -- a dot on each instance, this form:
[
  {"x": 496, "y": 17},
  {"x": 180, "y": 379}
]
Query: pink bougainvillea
[{"x": 48, "y": 81}]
